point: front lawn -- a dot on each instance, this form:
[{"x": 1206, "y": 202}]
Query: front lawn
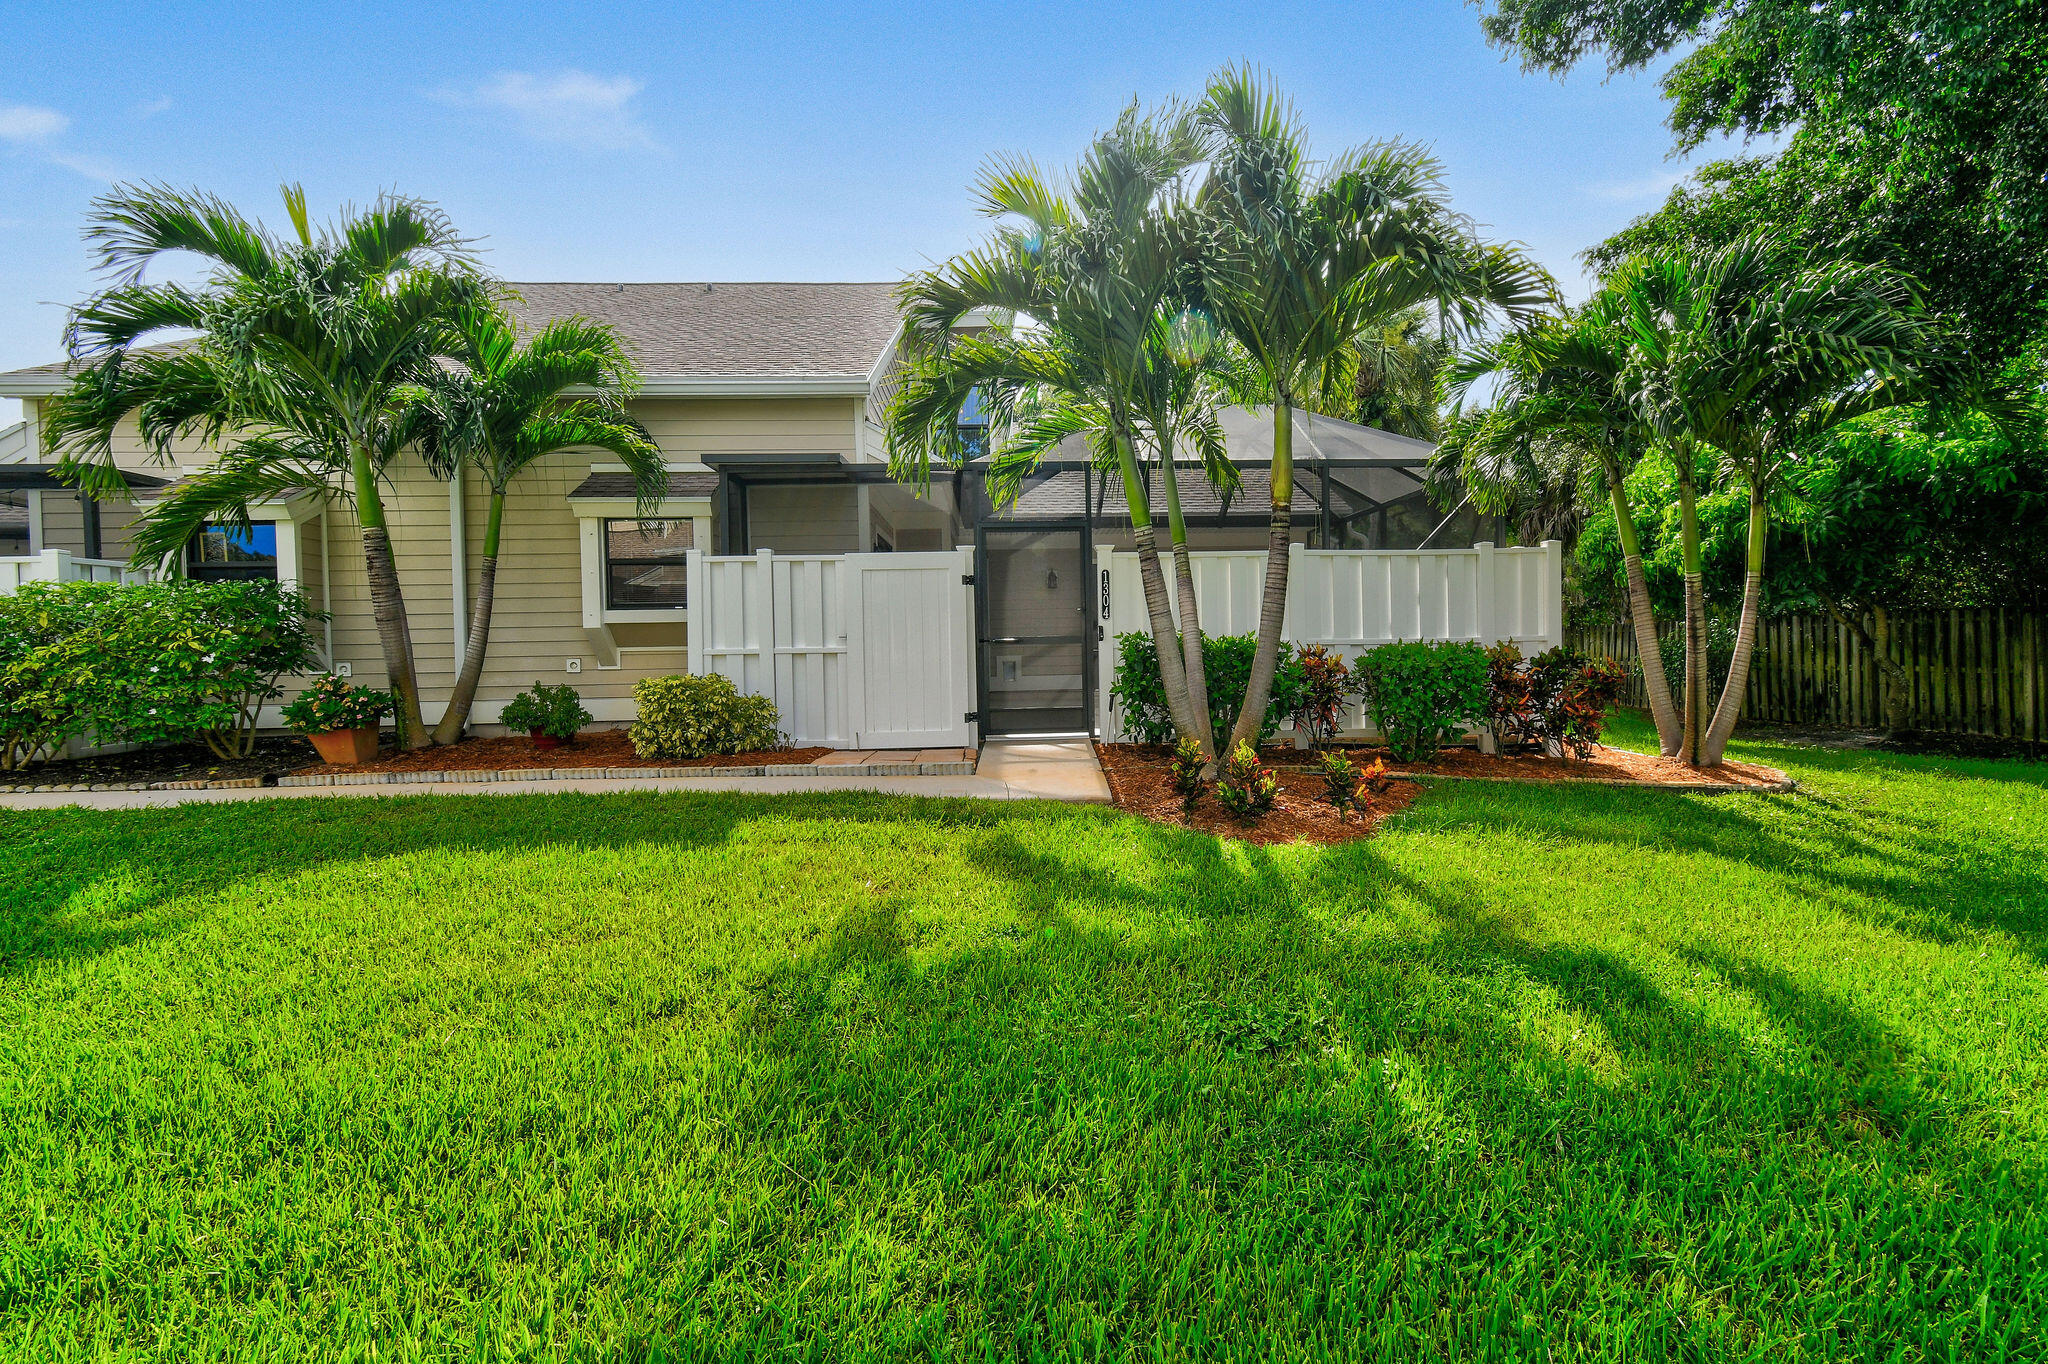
[{"x": 846, "y": 1076}]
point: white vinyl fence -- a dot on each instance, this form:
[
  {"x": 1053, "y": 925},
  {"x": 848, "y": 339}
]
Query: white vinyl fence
[
  {"x": 1351, "y": 600},
  {"x": 857, "y": 650},
  {"x": 62, "y": 566}
]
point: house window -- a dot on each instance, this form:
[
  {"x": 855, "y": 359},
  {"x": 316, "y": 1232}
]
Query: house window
[
  {"x": 644, "y": 565},
  {"x": 973, "y": 427},
  {"x": 225, "y": 553}
]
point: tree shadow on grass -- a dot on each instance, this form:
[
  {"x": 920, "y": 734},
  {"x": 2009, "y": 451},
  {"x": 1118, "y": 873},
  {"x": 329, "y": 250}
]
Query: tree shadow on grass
[
  {"x": 1900, "y": 870},
  {"x": 88, "y": 881},
  {"x": 1201, "y": 1064}
]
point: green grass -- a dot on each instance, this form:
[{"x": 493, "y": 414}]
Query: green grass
[{"x": 1624, "y": 1074}]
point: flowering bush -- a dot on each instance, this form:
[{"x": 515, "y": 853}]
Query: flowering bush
[
  {"x": 37, "y": 712},
  {"x": 330, "y": 703},
  {"x": 148, "y": 663},
  {"x": 1246, "y": 788}
]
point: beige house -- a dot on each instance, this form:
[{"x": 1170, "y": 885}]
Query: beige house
[{"x": 766, "y": 399}]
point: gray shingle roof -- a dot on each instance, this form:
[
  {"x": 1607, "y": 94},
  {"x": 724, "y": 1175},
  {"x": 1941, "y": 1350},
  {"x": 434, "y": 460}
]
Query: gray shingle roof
[
  {"x": 622, "y": 485},
  {"x": 773, "y": 330},
  {"x": 702, "y": 330}
]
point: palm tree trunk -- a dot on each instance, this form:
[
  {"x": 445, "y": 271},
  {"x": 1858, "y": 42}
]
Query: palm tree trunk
[
  {"x": 1745, "y": 636},
  {"x": 1690, "y": 731},
  {"x": 472, "y": 671},
  {"x": 387, "y": 603},
  {"x": 1670, "y": 732},
  {"x": 1173, "y": 675},
  {"x": 1190, "y": 610},
  {"x": 1273, "y": 601}
]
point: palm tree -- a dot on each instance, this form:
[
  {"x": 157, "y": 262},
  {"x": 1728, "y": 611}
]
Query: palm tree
[
  {"x": 1083, "y": 270},
  {"x": 1398, "y": 364},
  {"x": 1561, "y": 407},
  {"x": 506, "y": 406},
  {"x": 1771, "y": 354},
  {"x": 1300, "y": 261},
  {"x": 1190, "y": 372},
  {"x": 303, "y": 346}
]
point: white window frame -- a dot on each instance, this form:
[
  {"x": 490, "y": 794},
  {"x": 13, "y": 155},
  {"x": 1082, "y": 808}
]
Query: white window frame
[{"x": 591, "y": 514}]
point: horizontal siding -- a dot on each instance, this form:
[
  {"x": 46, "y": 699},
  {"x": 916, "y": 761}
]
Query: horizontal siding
[{"x": 538, "y": 616}]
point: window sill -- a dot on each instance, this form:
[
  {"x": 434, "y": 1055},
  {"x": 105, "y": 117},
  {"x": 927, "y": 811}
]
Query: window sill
[{"x": 646, "y": 615}]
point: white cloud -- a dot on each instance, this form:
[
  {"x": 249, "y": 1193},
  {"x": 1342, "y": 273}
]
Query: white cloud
[
  {"x": 29, "y": 123},
  {"x": 150, "y": 108},
  {"x": 91, "y": 167},
  {"x": 32, "y": 129},
  {"x": 571, "y": 107},
  {"x": 1645, "y": 190}
]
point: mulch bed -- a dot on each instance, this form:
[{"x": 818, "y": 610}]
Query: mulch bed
[
  {"x": 1605, "y": 765},
  {"x": 1141, "y": 781},
  {"x": 271, "y": 759},
  {"x": 592, "y": 748}
]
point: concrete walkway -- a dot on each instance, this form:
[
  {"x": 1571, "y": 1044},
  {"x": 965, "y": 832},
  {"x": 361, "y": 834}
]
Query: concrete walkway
[{"x": 1042, "y": 769}]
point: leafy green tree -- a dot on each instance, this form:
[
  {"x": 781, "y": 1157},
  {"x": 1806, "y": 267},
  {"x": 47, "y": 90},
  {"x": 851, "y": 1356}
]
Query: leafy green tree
[
  {"x": 1082, "y": 275},
  {"x": 504, "y": 406},
  {"x": 1300, "y": 261},
  {"x": 304, "y": 344},
  {"x": 1916, "y": 132}
]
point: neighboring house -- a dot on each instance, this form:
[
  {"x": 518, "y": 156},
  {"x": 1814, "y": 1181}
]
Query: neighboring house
[{"x": 767, "y": 400}]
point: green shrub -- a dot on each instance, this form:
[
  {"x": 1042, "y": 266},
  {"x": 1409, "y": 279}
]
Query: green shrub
[
  {"x": 1422, "y": 695},
  {"x": 1325, "y": 690},
  {"x": 37, "y": 712},
  {"x": 1138, "y": 697},
  {"x": 1246, "y": 788},
  {"x": 554, "y": 711},
  {"x": 329, "y": 703},
  {"x": 1510, "y": 709},
  {"x": 166, "y": 662},
  {"x": 1188, "y": 766},
  {"x": 688, "y": 717},
  {"x": 1572, "y": 695},
  {"x": 1343, "y": 779}
]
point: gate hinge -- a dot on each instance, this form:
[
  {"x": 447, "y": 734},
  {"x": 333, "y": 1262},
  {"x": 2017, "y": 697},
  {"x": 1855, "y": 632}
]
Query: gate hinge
[
  {"x": 972, "y": 717},
  {"x": 967, "y": 580}
]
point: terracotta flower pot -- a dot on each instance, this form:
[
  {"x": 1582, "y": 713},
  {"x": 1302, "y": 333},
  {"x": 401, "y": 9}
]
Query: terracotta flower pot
[
  {"x": 347, "y": 745},
  {"x": 542, "y": 739}
]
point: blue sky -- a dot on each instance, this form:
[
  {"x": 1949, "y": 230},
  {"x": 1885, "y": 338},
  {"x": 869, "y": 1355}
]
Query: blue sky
[{"x": 739, "y": 141}]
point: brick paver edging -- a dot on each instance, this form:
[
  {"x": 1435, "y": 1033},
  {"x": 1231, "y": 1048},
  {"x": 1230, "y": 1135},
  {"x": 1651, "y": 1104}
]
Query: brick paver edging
[
  {"x": 196, "y": 784},
  {"x": 518, "y": 774}
]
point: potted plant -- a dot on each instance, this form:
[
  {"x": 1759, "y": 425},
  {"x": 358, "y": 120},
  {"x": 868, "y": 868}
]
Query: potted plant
[
  {"x": 550, "y": 715},
  {"x": 340, "y": 720}
]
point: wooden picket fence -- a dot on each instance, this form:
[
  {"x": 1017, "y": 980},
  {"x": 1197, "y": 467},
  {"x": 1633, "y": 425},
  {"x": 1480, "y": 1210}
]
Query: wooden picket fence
[{"x": 1982, "y": 670}]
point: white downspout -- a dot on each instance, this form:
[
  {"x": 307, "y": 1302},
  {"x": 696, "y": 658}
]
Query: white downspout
[
  {"x": 458, "y": 568},
  {"x": 327, "y": 585}
]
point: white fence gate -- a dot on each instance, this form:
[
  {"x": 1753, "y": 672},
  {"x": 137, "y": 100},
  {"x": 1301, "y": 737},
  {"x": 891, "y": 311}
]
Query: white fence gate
[
  {"x": 857, "y": 650},
  {"x": 1351, "y": 600}
]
